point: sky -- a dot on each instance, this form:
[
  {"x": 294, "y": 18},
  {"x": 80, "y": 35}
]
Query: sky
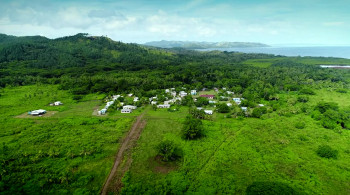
[{"x": 274, "y": 22}]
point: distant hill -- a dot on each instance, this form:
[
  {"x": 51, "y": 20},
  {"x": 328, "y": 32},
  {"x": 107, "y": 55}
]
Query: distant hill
[{"x": 202, "y": 45}]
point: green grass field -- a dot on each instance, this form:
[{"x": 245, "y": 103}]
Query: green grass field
[
  {"x": 234, "y": 153},
  {"x": 70, "y": 152}
]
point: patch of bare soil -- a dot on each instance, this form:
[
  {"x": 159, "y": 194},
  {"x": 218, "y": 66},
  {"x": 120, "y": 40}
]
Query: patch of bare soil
[
  {"x": 47, "y": 114},
  {"x": 113, "y": 183},
  {"x": 160, "y": 166}
]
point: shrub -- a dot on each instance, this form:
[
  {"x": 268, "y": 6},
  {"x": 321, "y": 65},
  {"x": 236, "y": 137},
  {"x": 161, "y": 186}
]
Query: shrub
[
  {"x": 307, "y": 91},
  {"x": 168, "y": 150},
  {"x": 193, "y": 128},
  {"x": 303, "y": 98},
  {"x": 326, "y": 151},
  {"x": 300, "y": 125},
  {"x": 341, "y": 91},
  {"x": 269, "y": 188},
  {"x": 200, "y": 114},
  {"x": 223, "y": 108},
  {"x": 324, "y": 106},
  {"x": 258, "y": 112}
]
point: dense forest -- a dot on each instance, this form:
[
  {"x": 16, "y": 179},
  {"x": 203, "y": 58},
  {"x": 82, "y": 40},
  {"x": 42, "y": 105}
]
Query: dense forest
[{"x": 296, "y": 144}]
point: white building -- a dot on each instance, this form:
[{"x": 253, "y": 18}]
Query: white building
[
  {"x": 212, "y": 102},
  {"x": 136, "y": 99},
  {"x": 229, "y": 104},
  {"x": 102, "y": 112},
  {"x": 167, "y": 90},
  {"x": 237, "y": 100},
  {"x": 261, "y": 105},
  {"x": 153, "y": 102},
  {"x": 244, "y": 109},
  {"x": 193, "y": 92},
  {"x": 126, "y": 111},
  {"x": 173, "y": 93},
  {"x": 130, "y": 94},
  {"x": 163, "y": 106},
  {"x": 210, "y": 112},
  {"x": 129, "y": 107},
  {"x": 230, "y": 92},
  {"x": 199, "y": 108},
  {"x": 182, "y": 94},
  {"x": 57, "y": 103},
  {"x": 37, "y": 112}
]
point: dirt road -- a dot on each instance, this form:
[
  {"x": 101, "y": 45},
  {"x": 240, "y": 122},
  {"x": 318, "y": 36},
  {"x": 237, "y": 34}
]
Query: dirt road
[{"x": 113, "y": 183}]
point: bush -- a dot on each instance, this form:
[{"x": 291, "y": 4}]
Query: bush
[
  {"x": 200, "y": 114},
  {"x": 326, "y": 151},
  {"x": 300, "y": 125},
  {"x": 341, "y": 91},
  {"x": 258, "y": 112},
  {"x": 168, "y": 150},
  {"x": 223, "y": 108},
  {"x": 193, "y": 128},
  {"x": 269, "y": 188},
  {"x": 303, "y": 98},
  {"x": 324, "y": 106},
  {"x": 306, "y": 91}
]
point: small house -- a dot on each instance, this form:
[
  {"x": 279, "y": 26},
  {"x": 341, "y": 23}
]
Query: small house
[
  {"x": 163, "y": 106},
  {"x": 229, "y": 104},
  {"x": 153, "y": 102},
  {"x": 212, "y": 102},
  {"x": 237, "y": 100},
  {"x": 168, "y": 102},
  {"x": 182, "y": 94},
  {"x": 230, "y": 92},
  {"x": 261, "y": 105},
  {"x": 199, "y": 108},
  {"x": 224, "y": 88},
  {"x": 130, "y": 94},
  {"x": 208, "y": 96},
  {"x": 193, "y": 92},
  {"x": 102, "y": 112},
  {"x": 37, "y": 112},
  {"x": 167, "y": 90},
  {"x": 57, "y": 103},
  {"x": 210, "y": 112},
  {"x": 173, "y": 93},
  {"x": 244, "y": 109},
  {"x": 216, "y": 89},
  {"x": 129, "y": 107},
  {"x": 126, "y": 111},
  {"x": 136, "y": 99}
]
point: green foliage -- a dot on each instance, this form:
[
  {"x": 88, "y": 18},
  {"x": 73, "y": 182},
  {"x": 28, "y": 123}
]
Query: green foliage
[
  {"x": 324, "y": 106},
  {"x": 300, "y": 125},
  {"x": 270, "y": 188},
  {"x": 168, "y": 150},
  {"x": 195, "y": 113},
  {"x": 325, "y": 151},
  {"x": 306, "y": 91},
  {"x": 193, "y": 128},
  {"x": 201, "y": 101},
  {"x": 223, "y": 108},
  {"x": 258, "y": 112},
  {"x": 303, "y": 98}
]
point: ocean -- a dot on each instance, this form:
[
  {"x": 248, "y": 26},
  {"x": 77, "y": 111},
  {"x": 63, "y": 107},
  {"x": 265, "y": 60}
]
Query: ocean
[{"x": 317, "y": 51}]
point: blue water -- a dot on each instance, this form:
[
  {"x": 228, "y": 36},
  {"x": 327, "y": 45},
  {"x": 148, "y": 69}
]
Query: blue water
[{"x": 319, "y": 51}]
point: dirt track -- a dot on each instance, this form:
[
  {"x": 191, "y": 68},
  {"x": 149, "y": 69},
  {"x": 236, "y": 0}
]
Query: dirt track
[{"x": 113, "y": 183}]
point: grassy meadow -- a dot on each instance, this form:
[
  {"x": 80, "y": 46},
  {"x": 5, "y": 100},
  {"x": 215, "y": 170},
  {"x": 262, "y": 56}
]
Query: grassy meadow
[
  {"x": 70, "y": 152},
  {"x": 236, "y": 153}
]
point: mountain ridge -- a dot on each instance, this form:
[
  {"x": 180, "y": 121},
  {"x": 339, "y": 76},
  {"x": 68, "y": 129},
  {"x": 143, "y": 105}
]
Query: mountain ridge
[{"x": 202, "y": 44}]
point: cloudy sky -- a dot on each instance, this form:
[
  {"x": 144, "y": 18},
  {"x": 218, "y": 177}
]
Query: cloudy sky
[{"x": 298, "y": 22}]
